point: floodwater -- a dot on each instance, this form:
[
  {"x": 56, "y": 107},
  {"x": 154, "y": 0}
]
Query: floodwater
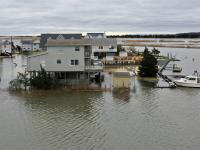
[{"x": 143, "y": 118}]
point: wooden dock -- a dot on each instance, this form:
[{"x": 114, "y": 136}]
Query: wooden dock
[{"x": 171, "y": 84}]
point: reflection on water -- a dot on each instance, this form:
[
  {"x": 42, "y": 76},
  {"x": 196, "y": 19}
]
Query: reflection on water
[
  {"x": 9, "y": 67},
  {"x": 141, "y": 118}
]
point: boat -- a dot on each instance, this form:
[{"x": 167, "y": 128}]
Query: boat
[
  {"x": 189, "y": 81},
  {"x": 132, "y": 73}
]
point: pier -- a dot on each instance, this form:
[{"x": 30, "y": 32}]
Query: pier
[{"x": 171, "y": 84}]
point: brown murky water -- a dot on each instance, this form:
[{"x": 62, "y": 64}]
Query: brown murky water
[{"x": 141, "y": 119}]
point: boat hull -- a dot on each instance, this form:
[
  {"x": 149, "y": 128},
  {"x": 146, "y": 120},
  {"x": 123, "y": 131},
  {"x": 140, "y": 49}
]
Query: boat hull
[{"x": 192, "y": 85}]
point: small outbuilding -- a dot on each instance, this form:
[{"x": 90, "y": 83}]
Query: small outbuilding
[{"x": 121, "y": 80}]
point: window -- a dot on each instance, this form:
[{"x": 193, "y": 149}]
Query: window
[
  {"x": 75, "y": 62},
  {"x": 100, "y": 47},
  {"x": 111, "y": 47},
  {"x": 77, "y": 49},
  {"x": 58, "y": 61},
  {"x": 192, "y": 79},
  {"x": 72, "y": 62}
]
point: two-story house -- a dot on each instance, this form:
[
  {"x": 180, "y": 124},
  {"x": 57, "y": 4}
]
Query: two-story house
[
  {"x": 67, "y": 60},
  {"x": 27, "y": 45},
  {"x": 104, "y": 48},
  {"x": 36, "y": 45}
]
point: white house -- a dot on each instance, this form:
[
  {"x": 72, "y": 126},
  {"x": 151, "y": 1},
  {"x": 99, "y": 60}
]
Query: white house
[
  {"x": 67, "y": 60},
  {"x": 36, "y": 45},
  {"x": 6, "y": 46},
  {"x": 104, "y": 48},
  {"x": 27, "y": 45}
]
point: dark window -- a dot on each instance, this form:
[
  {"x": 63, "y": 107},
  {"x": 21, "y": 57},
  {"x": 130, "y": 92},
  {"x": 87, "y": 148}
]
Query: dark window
[
  {"x": 58, "y": 61},
  {"x": 77, "y": 49},
  {"x": 72, "y": 62},
  {"x": 76, "y": 62},
  {"x": 193, "y": 79},
  {"x": 100, "y": 47},
  {"x": 112, "y": 47}
]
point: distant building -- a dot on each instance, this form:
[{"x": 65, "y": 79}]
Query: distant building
[
  {"x": 95, "y": 35},
  {"x": 27, "y": 45},
  {"x": 67, "y": 60},
  {"x": 6, "y": 46},
  {"x": 36, "y": 45},
  {"x": 104, "y": 48},
  {"x": 30, "y": 45},
  {"x": 45, "y": 37}
]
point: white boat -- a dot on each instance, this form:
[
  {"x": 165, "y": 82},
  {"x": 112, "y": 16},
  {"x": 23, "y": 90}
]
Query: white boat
[
  {"x": 132, "y": 73},
  {"x": 189, "y": 81}
]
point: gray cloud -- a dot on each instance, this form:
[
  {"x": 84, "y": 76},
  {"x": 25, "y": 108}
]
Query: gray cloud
[{"x": 134, "y": 16}]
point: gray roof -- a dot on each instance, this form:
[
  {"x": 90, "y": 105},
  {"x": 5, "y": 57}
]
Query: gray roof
[
  {"x": 83, "y": 42},
  {"x": 95, "y": 35},
  {"x": 27, "y": 42},
  {"x": 45, "y": 37},
  {"x": 121, "y": 74}
]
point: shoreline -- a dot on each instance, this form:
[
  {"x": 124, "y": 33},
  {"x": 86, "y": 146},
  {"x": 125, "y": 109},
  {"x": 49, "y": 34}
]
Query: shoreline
[{"x": 169, "y": 46}]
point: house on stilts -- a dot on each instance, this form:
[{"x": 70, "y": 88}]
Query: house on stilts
[{"x": 68, "y": 60}]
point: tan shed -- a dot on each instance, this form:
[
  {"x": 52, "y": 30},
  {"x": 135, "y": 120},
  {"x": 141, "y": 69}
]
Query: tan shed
[{"x": 121, "y": 80}]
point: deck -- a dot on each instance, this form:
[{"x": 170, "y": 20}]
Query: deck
[{"x": 94, "y": 68}]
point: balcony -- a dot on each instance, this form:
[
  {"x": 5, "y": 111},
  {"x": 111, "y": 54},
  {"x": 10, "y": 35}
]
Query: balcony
[
  {"x": 87, "y": 54},
  {"x": 105, "y": 50},
  {"x": 94, "y": 68}
]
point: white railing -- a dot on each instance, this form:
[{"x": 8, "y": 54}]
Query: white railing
[
  {"x": 94, "y": 67},
  {"x": 104, "y": 50}
]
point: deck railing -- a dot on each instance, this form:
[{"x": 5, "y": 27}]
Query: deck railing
[{"x": 94, "y": 67}]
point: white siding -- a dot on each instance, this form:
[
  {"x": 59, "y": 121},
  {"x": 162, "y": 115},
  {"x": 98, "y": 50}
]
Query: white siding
[
  {"x": 33, "y": 63},
  {"x": 27, "y": 47},
  {"x": 65, "y": 54},
  {"x": 36, "y": 46},
  {"x": 105, "y": 49},
  {"x": 6, "y": 48}
]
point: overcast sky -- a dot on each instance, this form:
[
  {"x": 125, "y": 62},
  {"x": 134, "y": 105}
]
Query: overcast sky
[{"x": 20, "y": 17}]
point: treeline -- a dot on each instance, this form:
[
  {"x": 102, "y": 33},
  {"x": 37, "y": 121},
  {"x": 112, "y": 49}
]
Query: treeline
[{"x": 179, "y": 35}]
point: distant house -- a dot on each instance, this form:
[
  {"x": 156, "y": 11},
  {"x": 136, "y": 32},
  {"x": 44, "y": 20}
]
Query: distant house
[
  {"x": 67, "y": 60},
  {"x": 27, "y": 45},
  {"x": 6, "y": 46},
  {"x": 45, "y": 37},
  {"x": 104, "y": 48},
  {"x": 36, "y": 45},
  {"x": 121, "y": 80},
  {"x": 95, "y": 35}
]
